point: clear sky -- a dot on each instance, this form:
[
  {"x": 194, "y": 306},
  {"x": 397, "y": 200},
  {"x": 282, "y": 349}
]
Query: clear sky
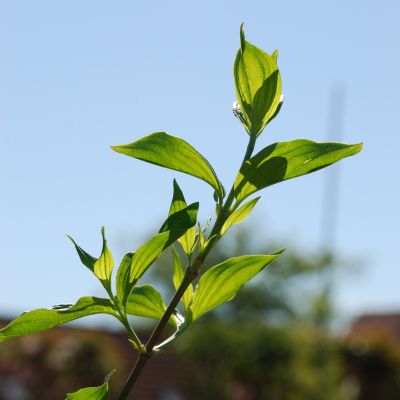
[{"x": 79, "y": 76}]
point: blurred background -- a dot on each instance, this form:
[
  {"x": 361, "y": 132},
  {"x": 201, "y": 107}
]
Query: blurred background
[{"x": 77, "y": 77}]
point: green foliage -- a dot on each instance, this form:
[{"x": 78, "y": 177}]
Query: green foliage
[
  {"x": 258, "y": 86},
  {"x": 178, "y": 278},
  {"x": 259, "y": 99},
  {"x": 172, "y": 229},
  {"x": 146, "y": 301},
  {"x": 123, "y": 278},
  {"x": 239, "y": 215},
  {"x": 104, "y": 265},
  {"x": 171, "y": 152},
  {"x": 86, "y": 259},
  {"x": 221, "y": 283},
  {"x": 101, "y": 267},
  {"x": 92, "y": 393},
  {"x": 41, "y": 319},
  {"x": 286, "y": 160},
  {"x": 187, "y": 241}
]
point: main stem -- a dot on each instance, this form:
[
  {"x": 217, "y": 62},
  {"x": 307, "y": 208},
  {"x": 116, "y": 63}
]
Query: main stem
[{"x": 191, "y": 273}]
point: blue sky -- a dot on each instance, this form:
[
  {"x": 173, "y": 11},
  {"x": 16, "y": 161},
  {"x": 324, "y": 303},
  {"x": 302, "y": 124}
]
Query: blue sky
[{"x": 77, "y": 77}]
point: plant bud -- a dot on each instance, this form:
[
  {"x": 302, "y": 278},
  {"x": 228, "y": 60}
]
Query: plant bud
[{"x": 258, "y": 86}]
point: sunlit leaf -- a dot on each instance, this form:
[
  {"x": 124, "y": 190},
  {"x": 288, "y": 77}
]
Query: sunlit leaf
[
  {"x": 286, "y": 160},
  {"x": 258, "y": 85},
  {"x": 188, "y": 240},
  {"x": 221, "y": 282},
  {"x": 86, "y": 259},
  {"x": 146, "y": 301},
  {"x": 182, "y": 219},
  {"x": 92, "y": 393},
  {"x": 178, "y": 203},
  {"x": 123, "y": 276},
  {"x": 172, "y": 229},
  {"x": 41, "y": 319},
  {"x": 171, "y": 152},
  {"x": 239, "y": 215},
  {"x": 200, "y": 232},
  {"x": 104, "y": 265},
  {"x": 178, "y": 278}
]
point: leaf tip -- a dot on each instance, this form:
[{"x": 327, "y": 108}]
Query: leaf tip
[
  {"x": 109, "y": 376},
  {"x": 279, "y": 252},
  {"x": 242, "y": 37},
  {"x": 118, "y": 148},
  {"x": 275, "y": 55},
  {"x": 194, "y": 205}
]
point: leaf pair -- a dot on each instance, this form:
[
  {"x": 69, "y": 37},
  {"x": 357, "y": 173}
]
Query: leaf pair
[
  {"x": 101, "y": 267},
  {"x": 144, "y": 301},
  {"x": 258, "y": 86},
  {"x": 275, "y": 163}
]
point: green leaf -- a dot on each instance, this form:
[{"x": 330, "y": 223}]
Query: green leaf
[
  {"x": 41, "y": 319},
  {"x": 178, "y": 278},
  {"x": 221, "y": 282},
  {"x": 182, "y": 219},
  {"x": 104, "y": 265},
  {"x": 178, "y": 203},
  {"x": 200, "y": 232},
  {"x": 146, "y": 301},
  {"x": 171, "y": 152},
  {"x": 286, "y": 160},
  {"x": 188, "y": 240},
  {"x": 86, "y": 259},
  {"x": 92, "y": 393},
  {"x": 123, "y": 276},
  {"x": 239, "y": 214},
  {"x": 172, "y": 229},
  {"x": 258, "y": 85},
  {"x": 146, "y": 254}
]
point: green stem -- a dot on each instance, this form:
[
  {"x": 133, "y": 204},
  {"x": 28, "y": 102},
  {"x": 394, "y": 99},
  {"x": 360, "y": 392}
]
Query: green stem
[
  {"x": 191, "y": 273},
  {"x": 124, "y": 320},
  {"x": 225, "y": 210}
]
